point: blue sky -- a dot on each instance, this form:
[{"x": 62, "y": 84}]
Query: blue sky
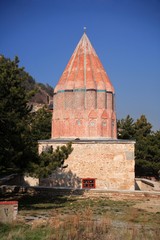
[{"x": 124, "y": 33}]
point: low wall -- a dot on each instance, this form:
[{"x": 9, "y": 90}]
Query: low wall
[{"x": 146, "y": 185}]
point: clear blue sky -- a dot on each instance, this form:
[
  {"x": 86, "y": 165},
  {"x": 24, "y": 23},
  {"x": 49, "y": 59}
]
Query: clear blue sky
[{"x": 124, "y": 33}]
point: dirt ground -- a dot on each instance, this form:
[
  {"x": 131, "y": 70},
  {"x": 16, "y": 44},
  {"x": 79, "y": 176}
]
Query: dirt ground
[{"x": 150, "y": 205}]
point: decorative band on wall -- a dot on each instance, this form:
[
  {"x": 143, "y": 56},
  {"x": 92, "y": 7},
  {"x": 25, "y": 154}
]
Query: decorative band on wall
[
  {"x": 83, "y": 90},
  {"x": 100, "y": 90}
]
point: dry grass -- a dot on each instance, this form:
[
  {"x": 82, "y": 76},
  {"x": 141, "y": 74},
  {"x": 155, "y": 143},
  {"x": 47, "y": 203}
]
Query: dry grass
[{"x": 74, "y": 218}]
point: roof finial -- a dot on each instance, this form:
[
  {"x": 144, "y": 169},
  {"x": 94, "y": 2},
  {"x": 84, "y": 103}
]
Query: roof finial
[{"x": 84, "y": 29}]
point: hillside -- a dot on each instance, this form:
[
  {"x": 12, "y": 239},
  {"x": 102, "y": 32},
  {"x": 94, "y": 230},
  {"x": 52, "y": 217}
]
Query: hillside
[{"x": 40, "y": 94}]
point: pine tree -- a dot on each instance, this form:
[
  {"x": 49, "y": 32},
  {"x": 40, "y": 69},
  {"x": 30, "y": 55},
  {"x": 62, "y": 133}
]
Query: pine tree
[
  {"x": 15, "y": 141},
  {"x": 20, "y": 129},
  {"x": 50, "y": 160},
  {"x": 147, "y": 147},
  {"x": 40, "y": 124},
  {"x": 126, "y": 129}
]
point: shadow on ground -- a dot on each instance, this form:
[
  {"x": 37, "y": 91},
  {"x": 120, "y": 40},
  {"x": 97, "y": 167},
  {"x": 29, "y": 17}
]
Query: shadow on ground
[{"x": 36, "y": 201}]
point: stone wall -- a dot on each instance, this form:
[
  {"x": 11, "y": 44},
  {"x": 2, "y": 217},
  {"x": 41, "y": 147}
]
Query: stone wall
[{"x": 109, "y": 162}]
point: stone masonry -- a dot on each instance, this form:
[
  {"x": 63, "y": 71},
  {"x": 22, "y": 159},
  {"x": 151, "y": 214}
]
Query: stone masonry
[{"x": 110, "y": 163}]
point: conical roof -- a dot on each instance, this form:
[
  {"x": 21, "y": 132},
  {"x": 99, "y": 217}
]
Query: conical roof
[{"x": 84, "y": 70}]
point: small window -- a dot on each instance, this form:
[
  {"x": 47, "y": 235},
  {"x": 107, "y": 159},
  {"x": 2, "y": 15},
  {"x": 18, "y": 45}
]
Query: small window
[
  {"x": 88, "y": 183},
  {"x": 104, "y": 124}
]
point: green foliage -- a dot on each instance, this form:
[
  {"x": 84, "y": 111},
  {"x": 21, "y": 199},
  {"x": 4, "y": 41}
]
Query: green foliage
[
  {"x": 20, "y": 129},
  {"x": 49, "y": 160},
  {"x": 142, "y": 127},
  {"x": 147, "y": 168},
  {"x": 147, "y": 148},
  {"x": 32, "y": 86},
  {"x": 154, "y": 147},
  {"x": 15, "y": 141},
  {"x": 40, "y": 123},
  {"x": 126, "y": 128}
]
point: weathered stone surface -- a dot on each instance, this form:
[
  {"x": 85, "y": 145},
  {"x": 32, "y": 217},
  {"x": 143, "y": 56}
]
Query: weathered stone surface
[
  {"x": 129, "y": 155},
  {"x": 105, "y": 161}
]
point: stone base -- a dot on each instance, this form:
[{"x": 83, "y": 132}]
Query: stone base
[{"x": 110, "y": 162}]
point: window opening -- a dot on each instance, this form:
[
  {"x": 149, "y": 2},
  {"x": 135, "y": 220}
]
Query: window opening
[{"x": 88, "y": 183}]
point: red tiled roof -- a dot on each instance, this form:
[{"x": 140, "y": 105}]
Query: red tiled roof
[{"x": 84, "y": 70}]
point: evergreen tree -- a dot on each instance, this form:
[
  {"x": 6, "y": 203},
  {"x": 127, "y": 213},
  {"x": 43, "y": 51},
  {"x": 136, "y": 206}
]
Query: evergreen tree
[
  {"x": 40, "y": 123},
  {"x": 126, "y": 129},
  {"x": 142, "y": 134},
  {"x": 15, "y": 142},
  {"x": 20, "y": 129},
  {"x": 142, "y": 127},
  {"x": 147, "y": 148},
  {"x": 49, "y": 160}
]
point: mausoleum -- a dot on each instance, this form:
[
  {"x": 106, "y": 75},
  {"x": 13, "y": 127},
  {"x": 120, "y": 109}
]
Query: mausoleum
[{"x": 84, "y": 113}]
